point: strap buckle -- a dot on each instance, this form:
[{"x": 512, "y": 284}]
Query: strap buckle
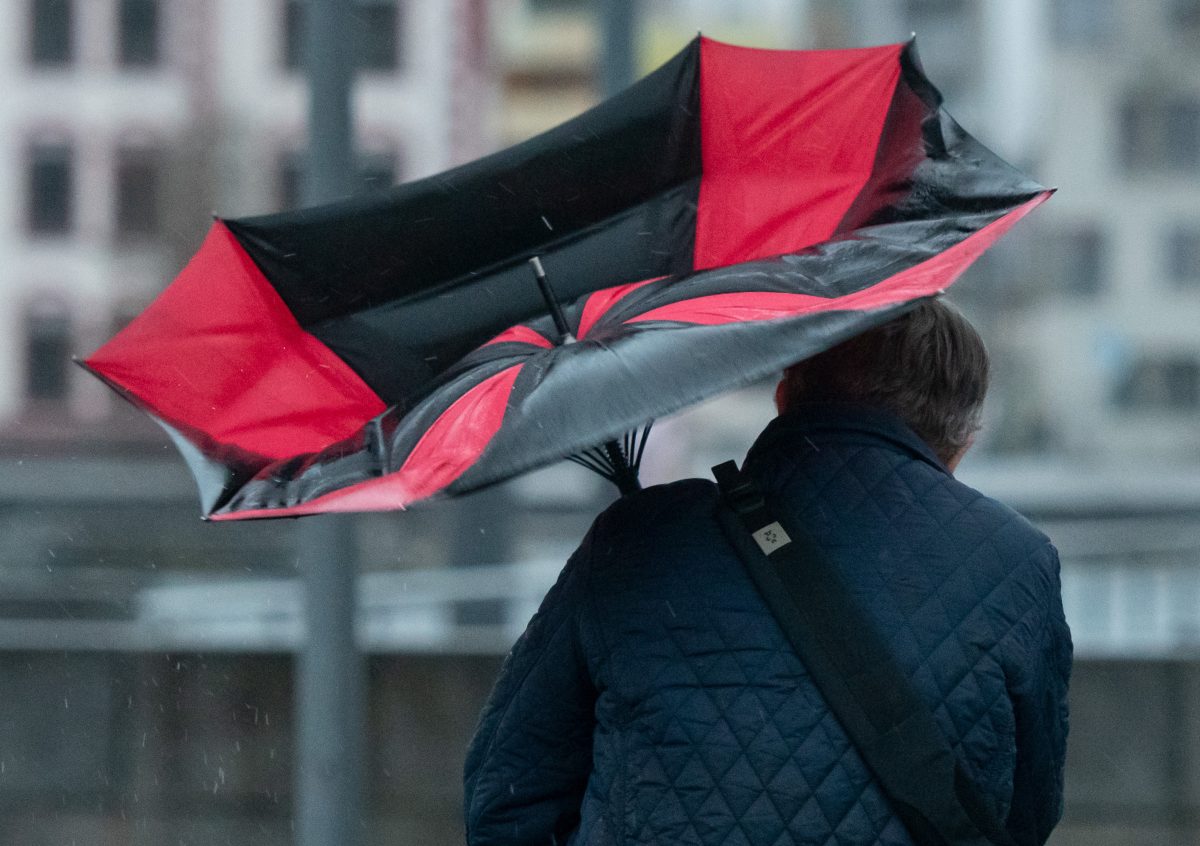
[
  {"x": 746, "y": 499},
  {"x": 738, "y": 490}
]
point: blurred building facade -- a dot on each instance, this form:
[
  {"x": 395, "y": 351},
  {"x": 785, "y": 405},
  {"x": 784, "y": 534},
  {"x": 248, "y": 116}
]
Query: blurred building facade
[
  {"x": 130, "y": 122},
  {"x": 125, "y": 126},
  {"x": 152, "y": 654},
  {"x": 1093, "y": 311}
]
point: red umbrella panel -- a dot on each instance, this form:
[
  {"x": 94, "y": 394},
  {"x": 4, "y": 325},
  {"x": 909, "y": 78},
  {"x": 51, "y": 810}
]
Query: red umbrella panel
[{"x": 731, "y": 213}]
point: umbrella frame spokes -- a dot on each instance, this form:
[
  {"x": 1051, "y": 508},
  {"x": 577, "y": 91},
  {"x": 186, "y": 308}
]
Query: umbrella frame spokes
[{"x": 618, "y": 462}]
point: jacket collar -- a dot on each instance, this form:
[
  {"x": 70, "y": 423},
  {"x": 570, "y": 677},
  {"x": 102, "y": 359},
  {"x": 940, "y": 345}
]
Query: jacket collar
[{"x": 808, "y": 422}]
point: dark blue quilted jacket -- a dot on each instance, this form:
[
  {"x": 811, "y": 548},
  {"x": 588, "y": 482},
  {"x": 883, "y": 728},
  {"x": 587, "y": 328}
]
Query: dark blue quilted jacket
[{"x": 654, "y": 700}]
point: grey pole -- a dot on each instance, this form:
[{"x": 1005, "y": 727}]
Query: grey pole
[
  {"x": 617, "y": 61},
  {"x": 331, "y": 676},
  {"x": 328, "y": 57}
]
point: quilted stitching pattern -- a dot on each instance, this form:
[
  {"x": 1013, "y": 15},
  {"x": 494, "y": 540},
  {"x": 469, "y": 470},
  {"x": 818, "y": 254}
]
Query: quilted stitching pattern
[{"x": 707, "y": 728}]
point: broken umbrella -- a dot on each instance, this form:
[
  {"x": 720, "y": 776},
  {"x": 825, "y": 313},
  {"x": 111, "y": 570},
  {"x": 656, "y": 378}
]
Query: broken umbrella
[{"x": 735, "y": 211}]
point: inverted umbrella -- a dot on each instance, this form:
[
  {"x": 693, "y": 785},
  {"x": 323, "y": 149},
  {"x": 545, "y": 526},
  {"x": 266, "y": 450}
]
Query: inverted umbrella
[{"x": 733, "y": 212}]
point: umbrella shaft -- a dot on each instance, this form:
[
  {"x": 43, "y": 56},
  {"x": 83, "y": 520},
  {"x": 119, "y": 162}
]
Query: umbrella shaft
[{"x": 560, "y": 320}]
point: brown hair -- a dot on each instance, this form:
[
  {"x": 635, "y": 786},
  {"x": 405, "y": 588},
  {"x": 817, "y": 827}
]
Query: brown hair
[{"x": 928, "y": 366}]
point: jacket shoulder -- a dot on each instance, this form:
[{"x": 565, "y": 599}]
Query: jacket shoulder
[
  {"x": 671, "y": 517},
  {"x": 1000, "y": 515},
  {"x": 652, "y": 504}
]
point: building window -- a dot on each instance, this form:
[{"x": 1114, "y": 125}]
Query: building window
[
  {"x": 138, "y": 177},
  {"x": 1160, "y": 132},
  {"x": 47, "y": 352},
  {"x": 1083, "y": 23},
  {"x": 377, "y": 25},
  {"x": 50, "y": 188},
  {"x": 293, "y": 49},
  {"x": 50, "y": 32},
  {"x": 138, "y": 33},
  {"x": 1184, "y": 14},
  {"x": 378, "y": 29},
  {"x": 376, "y": 172},
  {"x": 1163, "y": 383},
  {"x": 1181, "y": 144},
  {"x": 1074, "y": 258},
  {"x": 1136, "y": 123},
  {"x": 1183, "y": 256}
]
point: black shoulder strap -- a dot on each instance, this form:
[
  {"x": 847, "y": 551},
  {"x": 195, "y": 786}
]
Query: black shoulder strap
[{"x": 874, "y": 700}]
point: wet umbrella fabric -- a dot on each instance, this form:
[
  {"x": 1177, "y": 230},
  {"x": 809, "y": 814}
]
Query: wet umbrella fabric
[{"x": 734, "y": 211}]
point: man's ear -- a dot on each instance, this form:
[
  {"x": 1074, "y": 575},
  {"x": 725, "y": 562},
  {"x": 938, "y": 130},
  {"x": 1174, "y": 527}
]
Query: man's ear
[
  {"x": 781, "y": 395},
  {"x": 952, "y": 463}
]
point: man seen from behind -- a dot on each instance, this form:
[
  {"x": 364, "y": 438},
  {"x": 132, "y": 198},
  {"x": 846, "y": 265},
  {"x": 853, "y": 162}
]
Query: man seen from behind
[{"x": 654, "y": 699}]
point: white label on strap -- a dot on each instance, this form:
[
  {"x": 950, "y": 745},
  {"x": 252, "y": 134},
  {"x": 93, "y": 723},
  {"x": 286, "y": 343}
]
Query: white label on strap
[{"x": 771, "y": 537}]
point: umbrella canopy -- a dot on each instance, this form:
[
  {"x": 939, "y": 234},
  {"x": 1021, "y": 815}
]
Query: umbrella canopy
[{"x": 733, "y": 212}]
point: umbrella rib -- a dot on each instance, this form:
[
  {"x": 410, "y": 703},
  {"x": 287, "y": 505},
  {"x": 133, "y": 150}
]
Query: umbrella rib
[
  {"x": 598, "y": 459},
  {"x": 617, "y": 460},
  {"x": 601, "y": 457},
  {"x": 587, "y": 462},
  {"x": 583, "y": 462},
  {"x": 641, "y": 447}
]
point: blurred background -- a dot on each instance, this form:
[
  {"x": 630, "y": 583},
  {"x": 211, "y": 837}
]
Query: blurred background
[{"x": 147, "y": 660}]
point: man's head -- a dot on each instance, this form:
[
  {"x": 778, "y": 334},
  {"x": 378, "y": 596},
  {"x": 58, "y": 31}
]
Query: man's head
[{"x": 929, "y": 367}]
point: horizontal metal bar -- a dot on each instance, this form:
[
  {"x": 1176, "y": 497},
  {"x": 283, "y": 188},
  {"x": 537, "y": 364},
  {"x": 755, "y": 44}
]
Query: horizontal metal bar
[{"x": 133, "y": 636}]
